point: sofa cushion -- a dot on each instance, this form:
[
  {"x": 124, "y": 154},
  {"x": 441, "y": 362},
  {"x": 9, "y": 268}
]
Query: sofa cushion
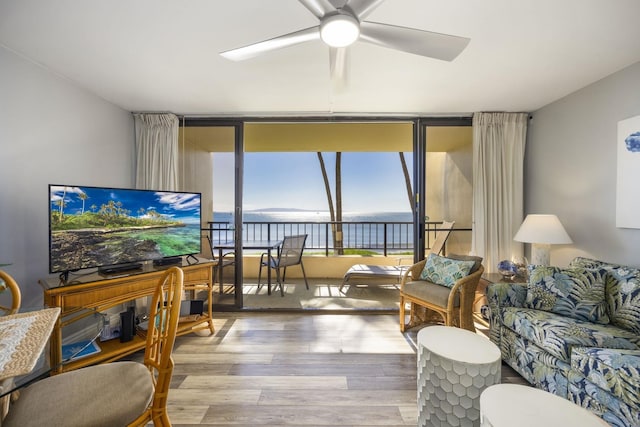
[
  {"x": 535, "y": 364},
  {"x": 623, "y": 297},
  {"x": 614, "y": 371},
  {"x": 578, "y": 293},
  {"x": 445, "y": 271},
  {"x": 622, "y": 292},
  {"x": 614, "y": 411},
  {"x": 558, "y": 334}
]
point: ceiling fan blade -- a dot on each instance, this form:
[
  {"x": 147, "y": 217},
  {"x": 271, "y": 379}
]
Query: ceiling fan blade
[
  {"x": 362, "y": 8},
  {"x": 412, "y": 40},
  {"x": 270, "y": 45},
  {"x": 339, "y": 67},
  {"x": 318, "y": 7}
]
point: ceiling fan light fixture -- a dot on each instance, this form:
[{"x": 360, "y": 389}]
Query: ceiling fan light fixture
[{"x": 339, "y": 30}]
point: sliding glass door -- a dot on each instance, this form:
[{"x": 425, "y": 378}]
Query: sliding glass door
[
  {"x": 447, "y": 149},
  {"x": 211, "y": 161},
  {"x": 325, "y": 171}
]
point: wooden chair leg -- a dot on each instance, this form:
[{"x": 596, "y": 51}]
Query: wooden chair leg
[{"x": 402, "y": 315}]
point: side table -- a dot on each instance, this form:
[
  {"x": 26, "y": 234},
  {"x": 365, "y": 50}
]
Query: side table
[
  {"x": 506, "y": 405},
  {"x": 454, "y": 367}
]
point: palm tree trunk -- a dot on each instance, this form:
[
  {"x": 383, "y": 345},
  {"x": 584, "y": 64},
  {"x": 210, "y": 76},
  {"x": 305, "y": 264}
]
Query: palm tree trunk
[
  {"x": 407, "y": 180},
  {"x": 327, "y": 188},
  {"x": 64, "y": 195}
]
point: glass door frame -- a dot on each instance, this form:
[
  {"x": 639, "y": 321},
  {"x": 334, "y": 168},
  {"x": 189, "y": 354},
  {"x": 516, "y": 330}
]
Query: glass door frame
[
  {"x": 238, "y": 126},
  {"x": 420, "y": 142}
]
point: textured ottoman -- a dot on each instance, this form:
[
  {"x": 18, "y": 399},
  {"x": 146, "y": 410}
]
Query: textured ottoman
[
  {"x": 454, "y": 367},
  {"x": 506, "y": 405}
]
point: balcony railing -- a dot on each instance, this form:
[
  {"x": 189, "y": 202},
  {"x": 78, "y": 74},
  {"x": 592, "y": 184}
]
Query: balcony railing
[{"x": 383, "y": 237}]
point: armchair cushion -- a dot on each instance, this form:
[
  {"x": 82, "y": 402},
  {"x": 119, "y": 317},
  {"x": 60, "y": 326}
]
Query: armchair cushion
[
  {"x": 96, "y": 396},
  {"x": 445, "y": 271},
  {"x": 577, "y": 293},
  {"x": 428, "y": 291}
]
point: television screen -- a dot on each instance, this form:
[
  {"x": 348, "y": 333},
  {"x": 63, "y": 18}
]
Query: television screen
[{"x": 95, "y": 227}]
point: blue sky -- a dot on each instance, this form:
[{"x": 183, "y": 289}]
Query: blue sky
[
  {"x": 182, "y": 206},
  {"x": 371, "y": 182}
]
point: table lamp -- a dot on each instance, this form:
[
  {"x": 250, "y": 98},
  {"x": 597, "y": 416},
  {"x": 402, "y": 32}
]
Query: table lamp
[{"x": 541, "y": 231}]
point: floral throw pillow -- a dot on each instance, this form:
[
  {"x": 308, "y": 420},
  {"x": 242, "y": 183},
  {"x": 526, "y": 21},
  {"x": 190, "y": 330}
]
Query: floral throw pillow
[
  {"x": 445, "y": 271},
  {"x": 573, "y": 292}
]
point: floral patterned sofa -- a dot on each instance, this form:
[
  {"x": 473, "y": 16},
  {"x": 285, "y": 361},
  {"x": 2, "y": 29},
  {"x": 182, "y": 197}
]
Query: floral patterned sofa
[{"x": 575, "y": 332}]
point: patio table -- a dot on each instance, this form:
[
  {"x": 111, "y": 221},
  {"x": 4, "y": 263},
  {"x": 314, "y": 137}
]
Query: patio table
[{"x": 266, "y": 245}]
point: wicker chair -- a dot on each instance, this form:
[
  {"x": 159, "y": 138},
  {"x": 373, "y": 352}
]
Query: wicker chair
[
  {"x": 112, "y": 394},
  {"x": 436, "y": 303}
]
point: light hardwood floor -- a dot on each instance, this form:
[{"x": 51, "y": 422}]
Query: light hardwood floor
[{"x": 297, "y": 370}]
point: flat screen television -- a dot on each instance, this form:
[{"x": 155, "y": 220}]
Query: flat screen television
[{"x": 104, "y": 227}]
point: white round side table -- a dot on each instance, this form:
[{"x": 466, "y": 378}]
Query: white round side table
[
  {"x": 454, "y": 367},
  {"x": 503, "y": 405}
]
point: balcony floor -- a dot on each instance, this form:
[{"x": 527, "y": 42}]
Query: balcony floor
[{"x": 323, "y": 294}]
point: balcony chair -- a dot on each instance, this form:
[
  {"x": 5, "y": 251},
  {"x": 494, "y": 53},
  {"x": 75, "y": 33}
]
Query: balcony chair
[
  {"x": 112, "y": 394},
  {"x": 227, "y": 260},
  {"x": 289, "y": 254},
  {"x": 7, "y": 282},
  {"x": 444, "y": 292},
  {"x": 394, "y": 272}
]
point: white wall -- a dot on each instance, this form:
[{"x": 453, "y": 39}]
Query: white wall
[
  {"x": 51, "y": 132},
  {"x": 570, "y": 167}
]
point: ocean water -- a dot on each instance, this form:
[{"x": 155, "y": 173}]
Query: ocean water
[
  {"x": 357, "y": 233},
  {"x": 319, "y": 216}
]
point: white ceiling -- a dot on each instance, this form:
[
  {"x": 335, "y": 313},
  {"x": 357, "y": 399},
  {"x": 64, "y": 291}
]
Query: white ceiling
[{"x": 162, "y": 55}]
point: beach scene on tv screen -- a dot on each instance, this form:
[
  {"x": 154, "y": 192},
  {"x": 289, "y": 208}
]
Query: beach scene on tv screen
[{"x": 92, "y": 227}]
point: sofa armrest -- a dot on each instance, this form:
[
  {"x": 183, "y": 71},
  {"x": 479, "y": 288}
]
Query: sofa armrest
[
  {"x": 613, "y": 370},
  {"x": 499, "y": 296},
  {"x": 506, "y": 294}
]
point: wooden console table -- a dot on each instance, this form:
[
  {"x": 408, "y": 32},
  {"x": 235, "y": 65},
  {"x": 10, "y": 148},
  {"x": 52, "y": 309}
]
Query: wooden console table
[{"x": 93, "y": 294}]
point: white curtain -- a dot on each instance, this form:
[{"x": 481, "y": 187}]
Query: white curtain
[
  {"x": 157, "y": 151},
  {"x": 498, "y": 152}
]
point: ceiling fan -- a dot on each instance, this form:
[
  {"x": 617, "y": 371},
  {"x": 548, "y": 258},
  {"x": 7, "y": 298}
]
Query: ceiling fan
[{"x": 342, "y": 23}]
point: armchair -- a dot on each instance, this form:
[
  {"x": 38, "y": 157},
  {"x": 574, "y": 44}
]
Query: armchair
[{"x": 445, "y": 293}]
